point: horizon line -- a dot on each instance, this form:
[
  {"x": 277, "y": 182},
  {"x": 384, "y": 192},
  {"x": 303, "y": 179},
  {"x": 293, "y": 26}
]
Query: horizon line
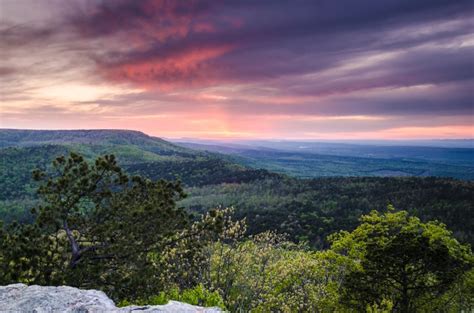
[{"x": 229, "y": 138}]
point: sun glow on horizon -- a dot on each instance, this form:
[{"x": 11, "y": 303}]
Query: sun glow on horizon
[{"x": 215, "y": 71}]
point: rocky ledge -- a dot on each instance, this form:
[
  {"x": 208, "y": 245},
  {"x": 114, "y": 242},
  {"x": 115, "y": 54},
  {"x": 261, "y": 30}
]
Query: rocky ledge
[{"x": 40, "y": 299}]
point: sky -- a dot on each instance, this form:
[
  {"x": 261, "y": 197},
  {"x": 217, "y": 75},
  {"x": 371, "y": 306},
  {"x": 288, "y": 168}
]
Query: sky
[{"x": 332, "y": 69}]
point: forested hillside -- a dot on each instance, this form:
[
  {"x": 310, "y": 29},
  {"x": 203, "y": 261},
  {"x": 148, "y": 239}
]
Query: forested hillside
[
  {"x": 98, "y": 227},
  {"x": 147, "y": 221},
  {"x": 24, "y": 150},
  {"x": 316, "y": 159},
  {"x": 307, "y": 209},
  {"x": 312, "y": 209}
]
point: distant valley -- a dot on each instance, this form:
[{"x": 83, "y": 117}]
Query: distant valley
[
  {"x": 307, "y": 193},
  {"x": 322, "y": 159}
]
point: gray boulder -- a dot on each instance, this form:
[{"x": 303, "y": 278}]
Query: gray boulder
[{"x": 40, "y": 299}]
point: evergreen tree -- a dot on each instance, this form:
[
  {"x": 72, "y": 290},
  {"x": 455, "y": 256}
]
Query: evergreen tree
[{"x": 98, "y": 228}]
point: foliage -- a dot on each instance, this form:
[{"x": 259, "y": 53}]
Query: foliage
[
  {"x": 310, "y": 210},
  {"x": 307, "y": 210},
  {"x": 268, "y": 273},
  {"x": 400, "y": 259},
  {"x": 99, "y": 228},
  {"x": 195, "y": 296},
  {"x": 304, "y": 282},
  {"x": 459, "y": 298},
  {"x": 95, "y": 226}
]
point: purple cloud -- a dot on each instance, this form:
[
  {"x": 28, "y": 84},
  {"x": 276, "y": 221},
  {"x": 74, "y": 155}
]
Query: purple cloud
[{"x": 248, "y": 58}]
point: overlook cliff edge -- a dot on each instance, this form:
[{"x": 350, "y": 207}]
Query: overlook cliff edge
[{"x": 46, "y": 299}]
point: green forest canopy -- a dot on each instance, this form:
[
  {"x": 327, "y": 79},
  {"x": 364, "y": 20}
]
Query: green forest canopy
[
  {"x": 97, "y": 227},
  {"x": 307, "y": 209}
]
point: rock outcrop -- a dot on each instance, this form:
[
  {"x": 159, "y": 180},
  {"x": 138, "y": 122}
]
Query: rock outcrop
[{"x": 40, "y": 299}]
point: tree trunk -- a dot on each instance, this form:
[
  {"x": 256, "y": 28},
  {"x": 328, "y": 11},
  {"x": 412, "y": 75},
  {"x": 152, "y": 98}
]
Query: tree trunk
[{"x": 75, "y": 251}]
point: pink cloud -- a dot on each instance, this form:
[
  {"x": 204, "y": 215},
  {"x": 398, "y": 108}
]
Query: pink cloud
[{"x": 188, "y": 67}]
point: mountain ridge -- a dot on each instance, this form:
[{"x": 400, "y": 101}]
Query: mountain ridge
[{"x": 306, "y": 209}]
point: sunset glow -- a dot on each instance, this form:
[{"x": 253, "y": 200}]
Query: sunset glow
[{"x": 240, "y": 69}]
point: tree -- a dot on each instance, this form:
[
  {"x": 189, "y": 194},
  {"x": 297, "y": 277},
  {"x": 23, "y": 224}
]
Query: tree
[
  {"x": 268, "y": 273},
  {"x": 399, "y": 259},
  {"x": 99, "y": 228}
]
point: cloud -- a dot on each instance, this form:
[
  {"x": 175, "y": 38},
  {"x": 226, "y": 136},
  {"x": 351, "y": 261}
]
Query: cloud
[
  {"x": 184, "y": 68},
  {"x": 240, "y": 62},
  {"x": 268, "y": 41}
]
